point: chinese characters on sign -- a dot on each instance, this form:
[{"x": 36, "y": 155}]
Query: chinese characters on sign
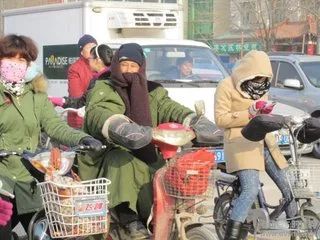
[{"x": 226, "y": 48}]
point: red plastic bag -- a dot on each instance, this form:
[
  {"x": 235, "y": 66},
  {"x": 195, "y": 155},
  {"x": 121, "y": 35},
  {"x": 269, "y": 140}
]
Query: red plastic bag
[{"x": 189, "y": 175}]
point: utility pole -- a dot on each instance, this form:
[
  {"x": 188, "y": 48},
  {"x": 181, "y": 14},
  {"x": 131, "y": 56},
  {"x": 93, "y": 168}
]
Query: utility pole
[
  {"x": 303, "y": 43},
  {"x": 241, "y": 53},
  {"x": 1, "y": 17},
  {"x": 318, "y": 36}
]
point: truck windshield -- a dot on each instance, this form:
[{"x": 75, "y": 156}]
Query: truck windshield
[
  {"x": 312, "y": 71},
  {"x": 182, "y": 63}
]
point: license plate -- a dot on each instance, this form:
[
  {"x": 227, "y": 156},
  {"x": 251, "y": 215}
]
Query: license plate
[
  {"x": 90, "y": 207},
  {"x": 282, "y": 139},
  {"x": 219, "y": 155}
]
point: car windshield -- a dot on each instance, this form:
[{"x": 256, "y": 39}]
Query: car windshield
[
  {"x": 312, "y": 71},
  {"x": 183, "y": 64}
]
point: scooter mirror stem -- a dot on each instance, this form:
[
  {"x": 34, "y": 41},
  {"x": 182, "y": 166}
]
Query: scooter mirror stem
[{"x": 200, "y": 108}]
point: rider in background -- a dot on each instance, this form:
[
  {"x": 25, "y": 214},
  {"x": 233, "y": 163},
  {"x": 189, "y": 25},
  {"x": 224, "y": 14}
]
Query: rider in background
[
  {"x": 99, "y": 62},
  {"x": 237, "y": 99},
  {"x": 26, "y": 111},
  {"x": 79, "y": 76},
  {"x": 121, "y": 112}
]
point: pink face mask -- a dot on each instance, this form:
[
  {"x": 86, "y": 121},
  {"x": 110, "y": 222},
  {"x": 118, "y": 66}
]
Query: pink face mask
[{"x": 12, "y": 71}]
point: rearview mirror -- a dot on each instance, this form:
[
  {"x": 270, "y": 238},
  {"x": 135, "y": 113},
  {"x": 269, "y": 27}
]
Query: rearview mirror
[
  {"x": 292, "y": 83},
  {"x": 175, "y": 54}
]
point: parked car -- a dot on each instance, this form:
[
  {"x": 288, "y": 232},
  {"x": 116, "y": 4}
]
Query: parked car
[
  {"x": 282, "y": 135},
  {"x": 162, "y": 55},
  {"x": 296, "y": 82}
]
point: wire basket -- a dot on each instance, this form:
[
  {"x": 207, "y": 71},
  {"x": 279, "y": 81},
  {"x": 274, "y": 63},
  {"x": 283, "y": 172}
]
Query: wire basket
[
  {"x": 77, "y": 208},
  {"x": 190, "y": 176},
  {"x": 304, "y": 180}
]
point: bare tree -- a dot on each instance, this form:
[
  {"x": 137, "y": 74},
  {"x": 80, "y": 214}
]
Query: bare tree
[
  {"x": 310, "y": 8},
  {"x": 260, "y": 18}
]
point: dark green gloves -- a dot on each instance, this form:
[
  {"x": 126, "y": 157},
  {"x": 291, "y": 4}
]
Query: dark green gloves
[
  {"x": 120, "y": 130},
  {"x": 206, "y": 131}
]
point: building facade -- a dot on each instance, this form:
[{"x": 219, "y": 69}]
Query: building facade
[
  {"x": 235, "y": 26},
  {"x": 285, "y": 25}
]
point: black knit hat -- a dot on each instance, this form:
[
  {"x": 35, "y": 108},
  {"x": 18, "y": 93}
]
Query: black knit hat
[
  {"x": 131, "y": 52},
  {"x": 85, "y": 39}
]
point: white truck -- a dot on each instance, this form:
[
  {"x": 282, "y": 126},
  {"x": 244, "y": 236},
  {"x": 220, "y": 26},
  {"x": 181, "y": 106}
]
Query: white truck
[{"x": 56, "y": 28}]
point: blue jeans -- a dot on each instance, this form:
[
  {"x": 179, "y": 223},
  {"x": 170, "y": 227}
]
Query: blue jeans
[{"x": 250, "y": 184}]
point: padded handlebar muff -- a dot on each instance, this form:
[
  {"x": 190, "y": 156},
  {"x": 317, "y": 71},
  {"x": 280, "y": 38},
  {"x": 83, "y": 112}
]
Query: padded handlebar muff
[{"x": 260, "y": 125}]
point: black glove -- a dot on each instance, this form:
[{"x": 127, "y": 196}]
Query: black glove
[
  {"x": 309, "y": 131},
  {"x": 206, "y": 131},
  {"x": 91, "y": 142},
  {"x": 129, "y": 134}
]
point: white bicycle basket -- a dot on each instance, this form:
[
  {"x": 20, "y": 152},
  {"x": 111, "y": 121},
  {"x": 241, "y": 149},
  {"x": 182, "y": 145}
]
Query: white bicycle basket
[
  {"x": 304, "y": 179},
  {"x": 76, "y": 208}
]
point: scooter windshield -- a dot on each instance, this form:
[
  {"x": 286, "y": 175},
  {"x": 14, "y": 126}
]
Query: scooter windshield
[
  {"x": 41, "y": 162},
  {"x": 173, "y": 133}
]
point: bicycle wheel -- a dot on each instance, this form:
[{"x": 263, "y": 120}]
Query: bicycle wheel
[
  {"x": 38, "y": 227},
  {"x": 312, "y": 224},
  {"x": 201, "y": 233},
  {"x": 221, "y": 213}
]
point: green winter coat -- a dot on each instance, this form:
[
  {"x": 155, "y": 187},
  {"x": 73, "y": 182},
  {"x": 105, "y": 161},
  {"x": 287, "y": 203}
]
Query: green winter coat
[
  {"x": 21, "y": 120},
  {"x": 130, "y": 177}
]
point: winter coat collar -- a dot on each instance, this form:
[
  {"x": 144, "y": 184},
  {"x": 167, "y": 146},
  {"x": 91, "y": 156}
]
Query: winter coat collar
[{"x": 38, "y": 85}]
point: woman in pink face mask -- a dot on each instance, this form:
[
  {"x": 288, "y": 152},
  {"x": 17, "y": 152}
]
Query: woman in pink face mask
[
  {"x": 14, "y": 63},
  {"x": 25, "y": 111}
]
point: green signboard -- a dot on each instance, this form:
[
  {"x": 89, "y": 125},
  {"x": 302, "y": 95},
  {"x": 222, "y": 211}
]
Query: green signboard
[
  {"x": 227, "y": 48},
  {"x": 57, "y": 59}
]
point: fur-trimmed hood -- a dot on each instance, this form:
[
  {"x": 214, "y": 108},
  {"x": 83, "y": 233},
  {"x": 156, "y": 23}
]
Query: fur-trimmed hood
[{"x": 39, "y": 84}]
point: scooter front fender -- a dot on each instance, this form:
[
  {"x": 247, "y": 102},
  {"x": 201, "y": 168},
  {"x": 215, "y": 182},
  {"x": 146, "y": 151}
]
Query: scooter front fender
[{"x": 163, "y": 208}]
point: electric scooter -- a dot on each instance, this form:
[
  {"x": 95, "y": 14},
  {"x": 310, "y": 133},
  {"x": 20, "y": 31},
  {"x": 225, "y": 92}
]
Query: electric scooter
[{"x": 182, "y": 188}]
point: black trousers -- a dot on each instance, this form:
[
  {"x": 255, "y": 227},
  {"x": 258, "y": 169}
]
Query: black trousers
[{"x": 125, "y": 214}]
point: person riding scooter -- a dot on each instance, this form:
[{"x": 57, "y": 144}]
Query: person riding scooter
[
  {"x": 121, "y": 112},
  {"x": 238, "y": 99},
  {"x": 25, "y": 112}
]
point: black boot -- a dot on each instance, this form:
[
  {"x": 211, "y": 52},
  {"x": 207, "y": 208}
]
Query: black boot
[
  {"x": 233, "y": 230},
  {"x": 131, "y": 223}
]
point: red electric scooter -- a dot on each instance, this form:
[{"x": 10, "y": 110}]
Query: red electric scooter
[{"x": 183, "y": 189}]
